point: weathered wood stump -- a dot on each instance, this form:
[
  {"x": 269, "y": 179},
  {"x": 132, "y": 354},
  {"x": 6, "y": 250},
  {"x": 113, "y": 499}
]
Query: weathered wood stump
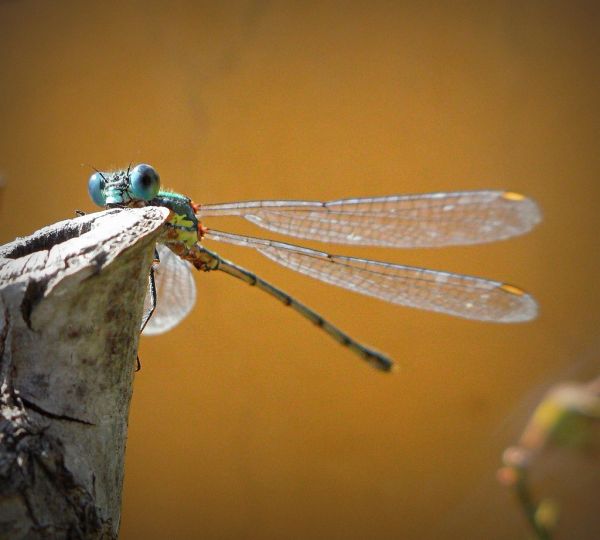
[{"x": 71, "y": 298}]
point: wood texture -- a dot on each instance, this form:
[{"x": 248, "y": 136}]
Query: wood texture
[{"x": 71, "y": 298}]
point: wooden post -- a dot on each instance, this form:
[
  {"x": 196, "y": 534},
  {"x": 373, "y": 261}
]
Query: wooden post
[{"x": 71, "y": 298}]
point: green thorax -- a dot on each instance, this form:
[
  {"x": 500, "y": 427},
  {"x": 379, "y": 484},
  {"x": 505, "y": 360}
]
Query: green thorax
[{"x": 183, "y": 219}]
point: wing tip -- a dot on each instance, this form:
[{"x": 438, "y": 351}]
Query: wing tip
[
  {"x": 528, "y": 209},
  {"x": 526, "y": 308}
]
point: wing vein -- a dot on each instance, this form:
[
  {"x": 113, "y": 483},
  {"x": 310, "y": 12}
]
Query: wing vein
[
  {"x": 427, "y": 220},
  {"x": 455, "y": 294}
]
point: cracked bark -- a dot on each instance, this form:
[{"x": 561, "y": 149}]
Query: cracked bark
[{"x": 71, "y": 298}]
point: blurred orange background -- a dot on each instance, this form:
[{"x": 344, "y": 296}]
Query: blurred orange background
[{"x": 246, "y": 422}]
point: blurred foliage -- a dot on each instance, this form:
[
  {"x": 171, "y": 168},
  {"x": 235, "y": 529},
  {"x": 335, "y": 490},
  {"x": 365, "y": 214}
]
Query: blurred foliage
[{"x": 566, "y": 418}]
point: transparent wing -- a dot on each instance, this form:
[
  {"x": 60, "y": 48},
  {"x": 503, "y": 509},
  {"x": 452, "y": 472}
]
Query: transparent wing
[
  {"x": 427, "y": 220},
  {"x": 455, "y": 294},
  {"x": 176, "y": 292}
]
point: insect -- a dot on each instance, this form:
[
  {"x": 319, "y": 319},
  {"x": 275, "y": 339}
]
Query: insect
[{"x": 427, "y": 220}]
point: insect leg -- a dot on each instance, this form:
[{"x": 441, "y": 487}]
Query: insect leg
[
  {"x": 152, "y": 289},
  {"x": 148, "y": 315}
]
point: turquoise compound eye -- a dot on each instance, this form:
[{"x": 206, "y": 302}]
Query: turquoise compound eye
[
  {"x": 144, "y": 182},
  {"x": 96, "y": 189}
]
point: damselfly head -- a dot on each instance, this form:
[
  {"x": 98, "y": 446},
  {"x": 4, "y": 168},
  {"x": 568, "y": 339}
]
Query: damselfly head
[{"x": 125, "y": 187}]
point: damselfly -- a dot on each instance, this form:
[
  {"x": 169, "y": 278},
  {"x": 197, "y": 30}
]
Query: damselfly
[{"x": 427, "y": 220}]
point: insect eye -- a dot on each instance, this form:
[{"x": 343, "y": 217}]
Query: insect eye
[
  {"x": 96, "y": 189},
  {"x": 144, "y": 182}
]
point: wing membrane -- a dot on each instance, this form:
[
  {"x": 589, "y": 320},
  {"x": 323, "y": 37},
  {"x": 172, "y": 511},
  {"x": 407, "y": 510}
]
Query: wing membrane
[
  {"x": 427, "y": 220},
  {"x": 454, "y": 294},
  {"x": 176, "y": 292}
]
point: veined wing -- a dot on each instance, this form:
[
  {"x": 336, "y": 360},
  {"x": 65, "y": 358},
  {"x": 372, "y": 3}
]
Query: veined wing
[
  {"x": 427, "y": 220},
  {"x": 175, "y": 289},
  {"x": 455, "y": 294}
]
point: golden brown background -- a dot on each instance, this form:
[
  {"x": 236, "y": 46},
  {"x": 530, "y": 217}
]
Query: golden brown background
[{"x": 246, "y": 422}]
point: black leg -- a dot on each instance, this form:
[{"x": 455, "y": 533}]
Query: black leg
[
  {"x": 152, "y": 286},
  {"x": 148, "y": 315}
]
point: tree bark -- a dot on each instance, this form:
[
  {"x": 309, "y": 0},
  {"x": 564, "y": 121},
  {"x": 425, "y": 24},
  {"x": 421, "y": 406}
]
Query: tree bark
[{"x": 71, "y": 298}]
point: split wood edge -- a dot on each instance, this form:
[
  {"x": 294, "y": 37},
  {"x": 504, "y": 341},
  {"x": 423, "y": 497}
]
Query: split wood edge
[{"x": 71, "y": 298}]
